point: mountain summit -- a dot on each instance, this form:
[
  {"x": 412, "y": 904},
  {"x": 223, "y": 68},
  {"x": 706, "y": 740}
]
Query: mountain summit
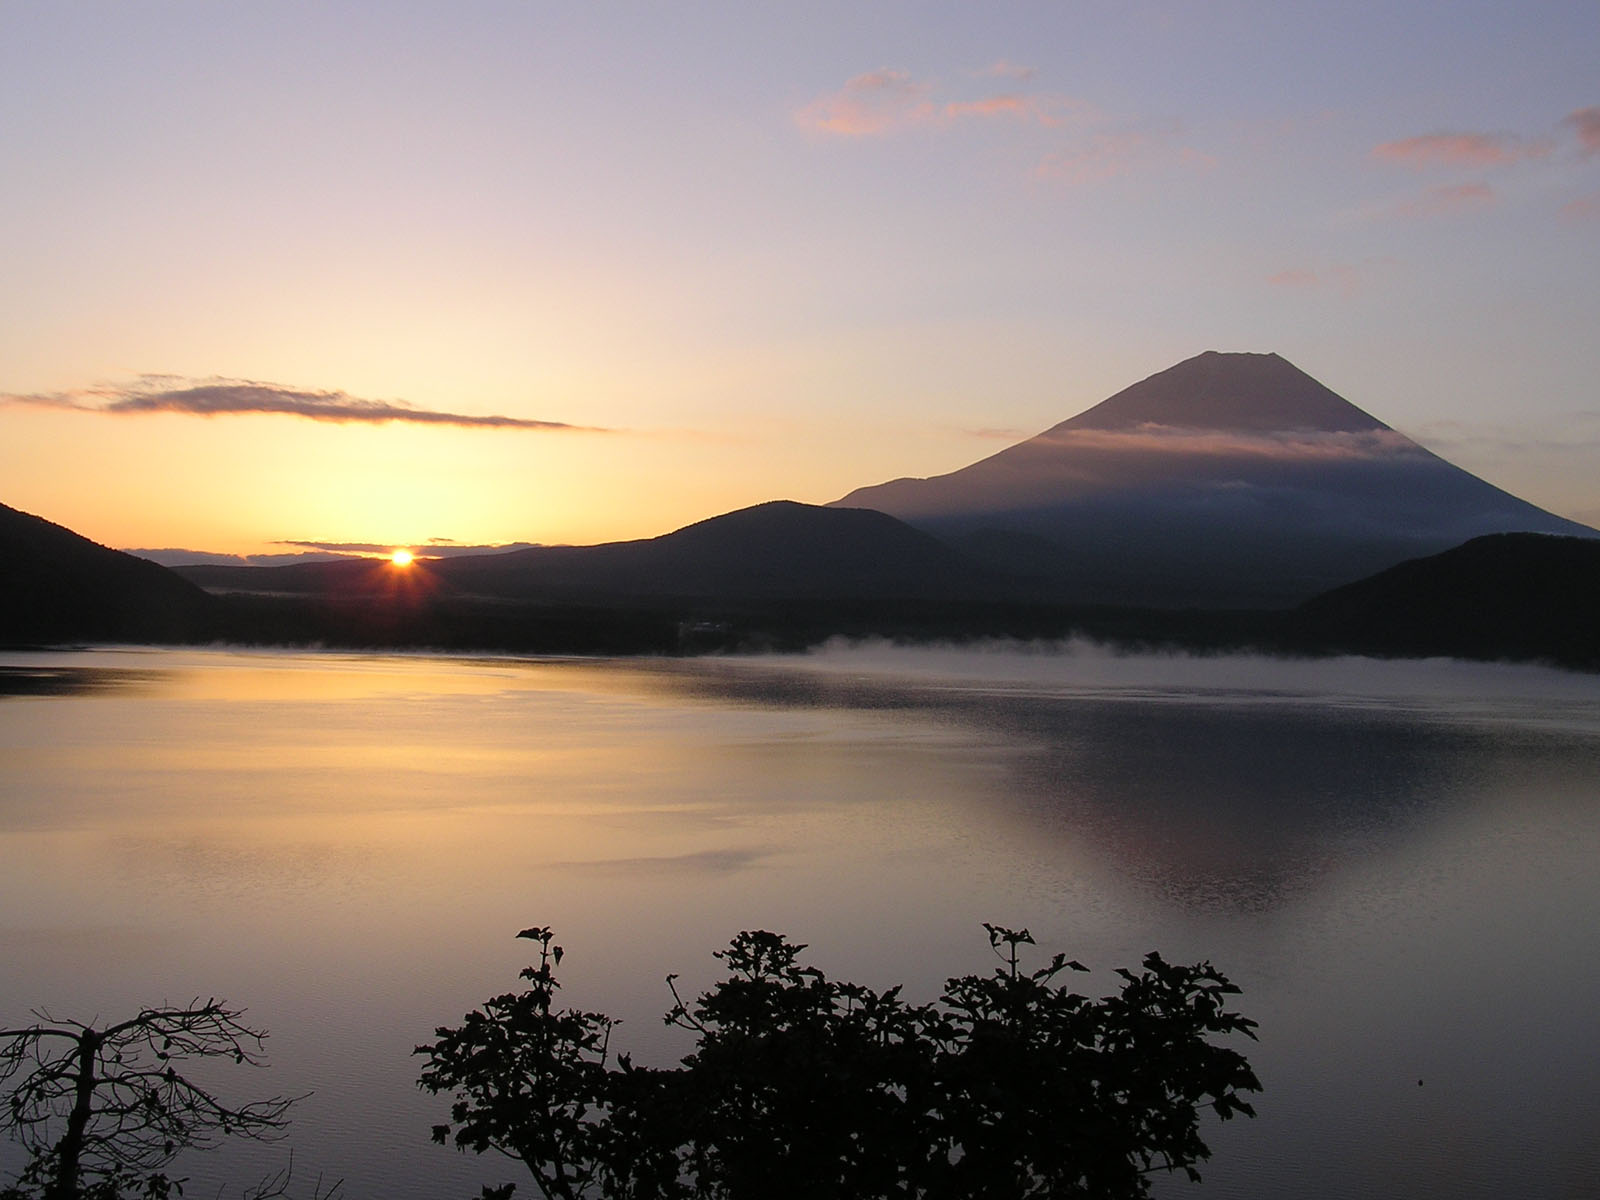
[
  {"x": 1260, "y": 393},
  {"x": 1228, "y": 480}
]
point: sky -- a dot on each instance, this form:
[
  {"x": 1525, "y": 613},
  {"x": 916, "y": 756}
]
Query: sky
[{"x": 281, "y": 275}]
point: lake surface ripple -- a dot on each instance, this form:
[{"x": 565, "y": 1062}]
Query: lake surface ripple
[{"x": 1395, "y": 861}]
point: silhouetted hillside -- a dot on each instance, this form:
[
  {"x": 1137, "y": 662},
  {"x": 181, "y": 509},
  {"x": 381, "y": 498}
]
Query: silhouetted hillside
[
  {"x": 1229, "y": 480},
  {"x": 349, "y": 577},
  {"x": 776, "y": 576},
  {"x": 779, "y": 550},
  {"x": 56, "y": 586},
  {"x": 1510, "y": 595}
]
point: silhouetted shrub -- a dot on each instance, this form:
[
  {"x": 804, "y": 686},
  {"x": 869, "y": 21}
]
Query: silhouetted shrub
[{"x": 1009, "y": 1085}]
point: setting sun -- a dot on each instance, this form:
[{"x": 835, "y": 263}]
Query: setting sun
[{"x": 401, "y": 558}]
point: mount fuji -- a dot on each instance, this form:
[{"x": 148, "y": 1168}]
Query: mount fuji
[{"x": 1228, "y": 480}]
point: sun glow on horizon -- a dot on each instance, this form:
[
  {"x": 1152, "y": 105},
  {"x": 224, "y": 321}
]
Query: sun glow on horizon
[{"x": 402, "y": 558}]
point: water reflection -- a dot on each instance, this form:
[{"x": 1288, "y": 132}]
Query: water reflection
[
  {"x": 60, "y": 680},
  {"x": 696, "y": 863},
  {"x": 1242, "y": 798},
  {"x": 1395, "y": 860}
]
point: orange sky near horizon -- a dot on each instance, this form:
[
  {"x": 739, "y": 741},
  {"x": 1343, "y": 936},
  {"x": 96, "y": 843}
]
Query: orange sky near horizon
[{"x": 757, "y": 254}]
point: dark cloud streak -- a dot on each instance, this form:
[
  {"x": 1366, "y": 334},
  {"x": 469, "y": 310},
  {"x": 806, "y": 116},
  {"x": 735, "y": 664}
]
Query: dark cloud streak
[
  {"x": 308, "y": 552},
  {"x": 433, "y": 548},
  {"x": 232, "y": 397}
]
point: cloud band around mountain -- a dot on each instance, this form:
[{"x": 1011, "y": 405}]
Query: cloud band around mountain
[
  {"x": 1284, "y": 445},
  {"x": 232, "y": 397}
]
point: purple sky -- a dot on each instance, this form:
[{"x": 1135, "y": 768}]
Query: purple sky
[{"x": 535, "y": 272}]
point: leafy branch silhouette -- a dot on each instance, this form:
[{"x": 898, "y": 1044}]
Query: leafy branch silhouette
[{"x": 1009, "y": 1085}]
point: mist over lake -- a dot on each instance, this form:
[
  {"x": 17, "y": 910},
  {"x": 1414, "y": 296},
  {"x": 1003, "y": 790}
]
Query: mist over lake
[{"x": 1394, "y": 860}]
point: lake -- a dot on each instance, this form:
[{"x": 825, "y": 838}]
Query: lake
[{"x": 1397, "y": 862}]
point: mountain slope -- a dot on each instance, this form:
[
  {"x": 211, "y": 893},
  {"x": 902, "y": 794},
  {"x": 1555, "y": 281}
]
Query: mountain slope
[
  {"x": 776, "y": 550},
  {"x": 57, "y": 586},
  {"x": 1226, "y": 480},
  {"x": 1508, "y": 595}
]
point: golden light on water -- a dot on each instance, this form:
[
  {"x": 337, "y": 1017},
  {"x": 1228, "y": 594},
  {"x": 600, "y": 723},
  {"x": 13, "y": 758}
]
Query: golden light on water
[{"x": 402, "y": 558}]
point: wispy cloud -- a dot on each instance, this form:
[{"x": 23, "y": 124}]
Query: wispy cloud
[
  {"x": 338, "y": 547},
  {"x": 1109, "y": 154},
  {"x": 1586, "y": 122},
  {"x": 889, "y": 100},
  {"x": 1273, "y": 135},
  {"x": 230, "y": 397},
  {"x": 1295, "y": 277},
  {"x": 1347, "y": 278},
  {"x": 1012, "y": 105},
  {"x": 996, "y": 434},
  {"x": 873, "y": 103},
  {"x": 1443, "y": 201},
  {"x": 1049, "y": 111},
  {"x": 1006, "y": 70},
  {"x": 1341, "y": 277},
  {"x": 1548, "y": 459},
  {"x": 1571, "y": 434},
  {"x": 1102, "y": 156},
  {"x": 432, "y": 548},
  {"x": 1477, "y": 150},
  {"x": 1090, "y": 145},
  {"x": 1585, "y": 208}
]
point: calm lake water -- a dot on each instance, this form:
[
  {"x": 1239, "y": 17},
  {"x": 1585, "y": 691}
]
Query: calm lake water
[{"x": 1396, "y": 861}]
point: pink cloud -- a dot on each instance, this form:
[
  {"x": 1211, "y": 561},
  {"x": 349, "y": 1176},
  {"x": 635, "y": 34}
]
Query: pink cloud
[
  {"x": 1294, "y": 277},
  {"x": 1264, "y": 135},
  {"x": 1585, "y": 209},
  {"x": 888, "y": 100},
  {"x": 1442, "y": 201},
  {"x": 1043, "y": 110},
  {"x": 1587, "y": 122},
  {"x": 991, "y": 106},
  {"x": 874, "y": 103},
  {"x": 1449, "y": 200},
  {"x": 1104, "y": 156},
  {"x": 1345, "y": 279},
  {"x": 1459, "y": 150}
]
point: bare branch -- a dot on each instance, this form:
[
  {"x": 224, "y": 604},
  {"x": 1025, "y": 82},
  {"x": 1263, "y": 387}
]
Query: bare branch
[{"x": 104, "y": 1108}]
